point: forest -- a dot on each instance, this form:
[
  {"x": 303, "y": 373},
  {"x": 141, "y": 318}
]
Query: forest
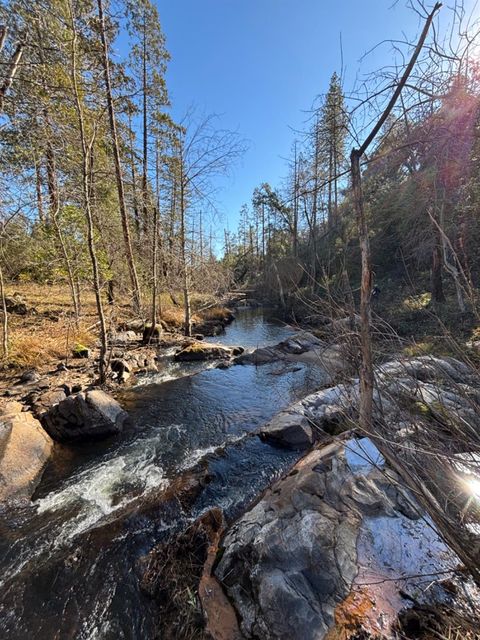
[{"x": 145, "y": 341}]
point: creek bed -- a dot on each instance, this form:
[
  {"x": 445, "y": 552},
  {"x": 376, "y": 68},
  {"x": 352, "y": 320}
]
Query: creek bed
[{"x": 69, "y": 560}]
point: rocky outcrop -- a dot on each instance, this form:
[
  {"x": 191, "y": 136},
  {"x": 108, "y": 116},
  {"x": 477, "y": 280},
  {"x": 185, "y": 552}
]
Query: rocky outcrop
[
  {"x": 407, "y": 392},
  {"x": 195, "y": 351},
  {"x": 85, "y": 416},
  {"x": 302, "y": 347},
  {"x": 24, "y": 451},
  {"x": 310, "y": 556}
]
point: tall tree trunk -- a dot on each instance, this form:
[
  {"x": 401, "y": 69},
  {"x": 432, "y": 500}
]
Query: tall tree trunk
[
  {"x": 295, "y": 205},
  {"x": 3, "y": 91},
  {"x": 4, "y": 315},
  {"x": 155, "y": 231},
  {"x": 183, "y": 239},
  {"x": 38, "y": 189},
  {"x": 366, "y": 369},
  {"x": 145, "y": 133},
  {"x": 86, "y": 201},
  {"x": 117, "y": 162},
  {"x": 136, "y": 214}
]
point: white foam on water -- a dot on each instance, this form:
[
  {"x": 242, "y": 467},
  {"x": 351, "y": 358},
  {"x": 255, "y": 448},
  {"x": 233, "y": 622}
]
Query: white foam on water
[
  {"x": 105, "y": 488},
  {"x": 193, "y": 456},
  {"x": 174, "y": 371}
]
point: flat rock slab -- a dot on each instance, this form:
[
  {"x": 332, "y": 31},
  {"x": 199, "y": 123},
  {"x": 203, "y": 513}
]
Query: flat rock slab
[
  {"x": 329, "y": 550},
  {"x": 89, "y": 415},
  {"x": 292, "y": 558},
  {"x": 24, "y": 451}
]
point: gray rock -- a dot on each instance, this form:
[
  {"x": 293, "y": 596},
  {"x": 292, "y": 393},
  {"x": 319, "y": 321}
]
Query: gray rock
[
  {"x": 46, "y": 401},
  {"x": 305, "y": 552},
  {"x": 121, "y": 369},
  {"x": 290, "y": 430},
  {"x": 29, "y": 376},
  {"x": 90, "y": 415},
  {"x": 123, "y": 338},
  {"x": 290, "y": 560}
]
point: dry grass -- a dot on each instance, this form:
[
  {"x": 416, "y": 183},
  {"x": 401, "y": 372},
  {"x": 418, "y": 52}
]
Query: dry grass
[
  {"x": 34, "y": 343},
  {"x": 216, "y": 314},
  {"x": 50, "y": 334}
]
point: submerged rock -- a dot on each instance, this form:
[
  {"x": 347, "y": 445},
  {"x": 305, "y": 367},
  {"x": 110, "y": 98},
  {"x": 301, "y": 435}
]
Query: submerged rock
[
  {"x": 89, "y": 415},
  {"x": 24, "y": 451}
]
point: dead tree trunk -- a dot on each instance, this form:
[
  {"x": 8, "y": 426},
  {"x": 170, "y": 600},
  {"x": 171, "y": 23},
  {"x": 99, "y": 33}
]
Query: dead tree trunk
[
  {"x": 183, "y": 240},
  {"x": 366, "y": 369}
]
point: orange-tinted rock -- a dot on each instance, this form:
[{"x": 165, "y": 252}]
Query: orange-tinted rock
[{"x": 24, "y": 451}]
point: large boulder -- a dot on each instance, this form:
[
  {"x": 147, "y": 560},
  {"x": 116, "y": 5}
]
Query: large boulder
[
  {"x": 24, "y": 451},
  {"x": 331, "y": 549},
  {"x": 196, "y": 351},
  {"x": 89, "y": 415},
  {"x": 289, "y": 429}
]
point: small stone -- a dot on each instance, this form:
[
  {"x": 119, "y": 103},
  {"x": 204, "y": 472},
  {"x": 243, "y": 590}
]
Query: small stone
[
  {"x": 80, "y": 351},
  {"x": 29, "y": 376}
]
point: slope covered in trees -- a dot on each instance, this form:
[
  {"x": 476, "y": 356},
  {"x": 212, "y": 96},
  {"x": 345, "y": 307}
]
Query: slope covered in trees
[{"x": 300, "y": 238}]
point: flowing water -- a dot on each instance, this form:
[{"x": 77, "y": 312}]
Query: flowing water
[{"x": 69, "y": 561}]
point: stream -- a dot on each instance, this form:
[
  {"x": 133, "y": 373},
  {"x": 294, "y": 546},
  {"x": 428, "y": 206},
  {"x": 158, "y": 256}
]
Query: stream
[{"x": 69, "y": 560}]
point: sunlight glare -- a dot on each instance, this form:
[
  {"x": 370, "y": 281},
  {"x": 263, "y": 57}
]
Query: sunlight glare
[{"x": 473, "y": 485}]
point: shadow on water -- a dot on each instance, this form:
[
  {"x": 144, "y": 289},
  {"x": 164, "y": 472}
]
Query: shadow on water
[{"x": 69, "y": 560}]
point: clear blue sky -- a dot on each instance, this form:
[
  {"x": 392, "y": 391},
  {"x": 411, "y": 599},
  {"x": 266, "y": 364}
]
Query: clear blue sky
[{"x": 260, "y": 63}]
